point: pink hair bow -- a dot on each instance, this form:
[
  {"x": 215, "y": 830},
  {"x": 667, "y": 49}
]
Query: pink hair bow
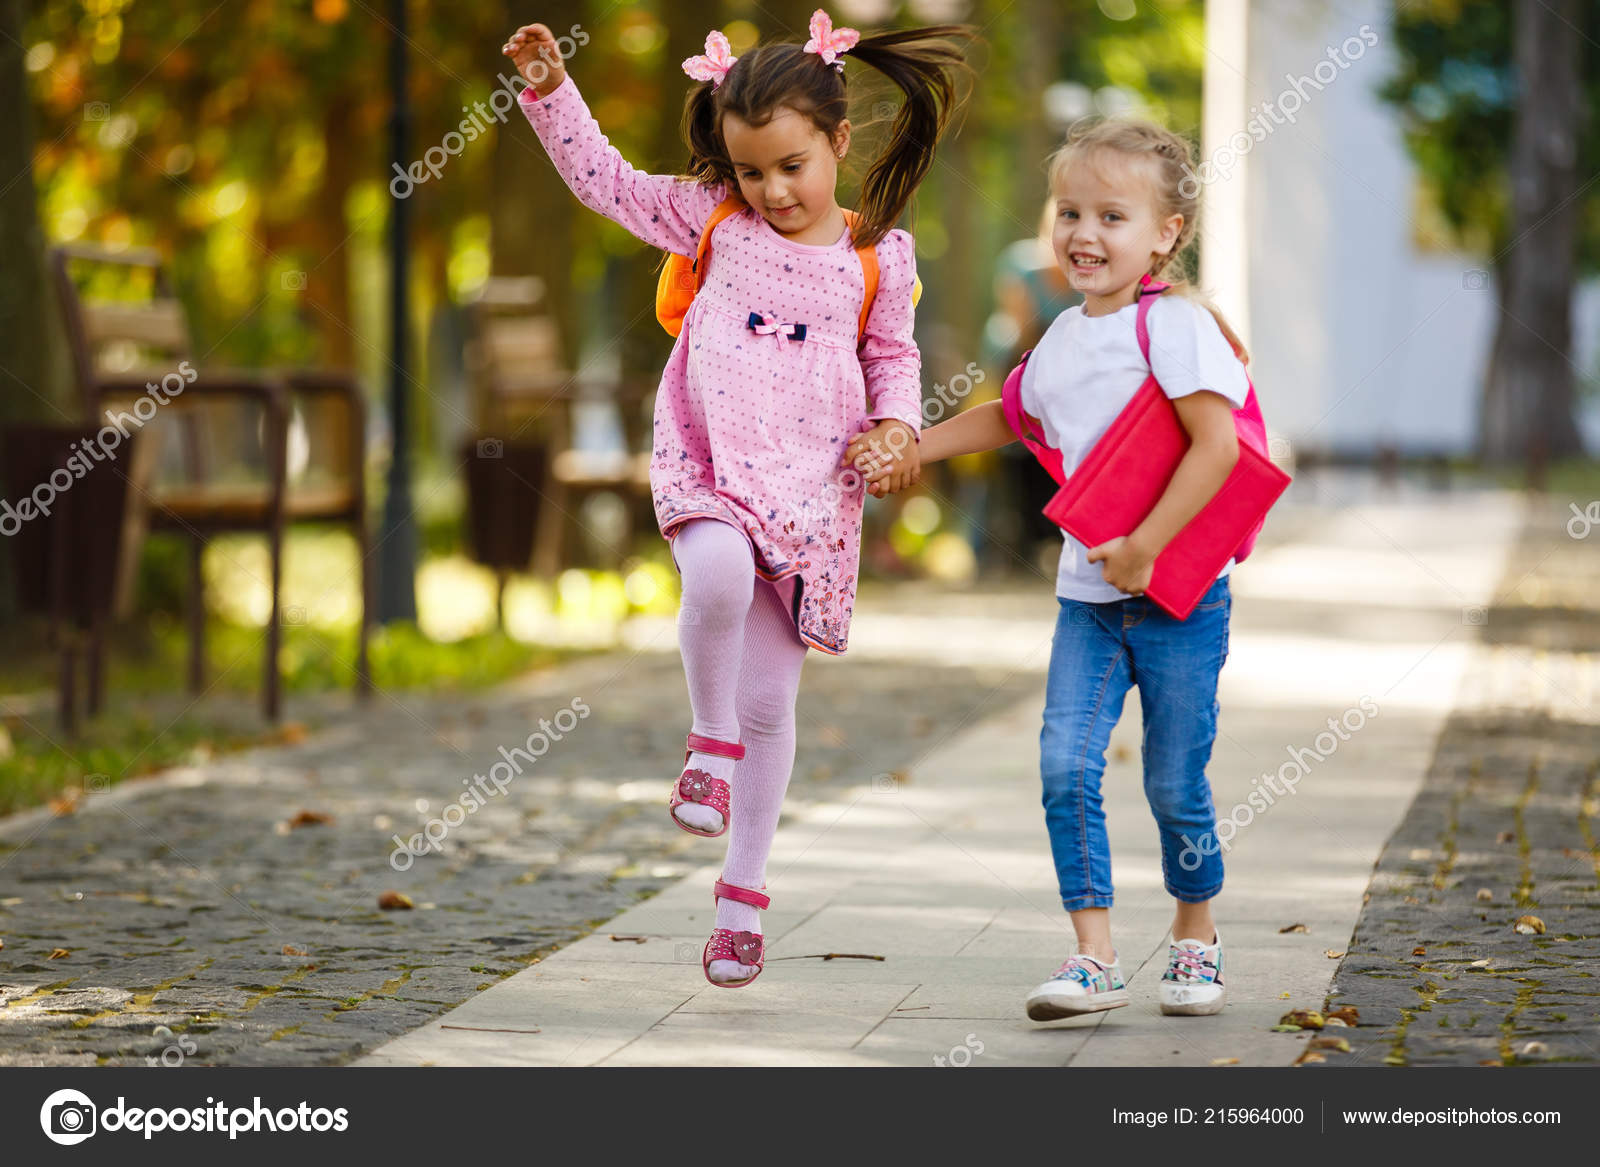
[
  {"x": 828, "y": 42},
  {"x": 716, "y": 62}
]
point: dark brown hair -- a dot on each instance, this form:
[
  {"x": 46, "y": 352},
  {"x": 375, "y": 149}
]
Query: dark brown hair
[{"x": 922, "y": 62}]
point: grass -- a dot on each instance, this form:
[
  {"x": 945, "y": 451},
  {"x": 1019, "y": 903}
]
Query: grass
[{"x": 150, "y": 721}]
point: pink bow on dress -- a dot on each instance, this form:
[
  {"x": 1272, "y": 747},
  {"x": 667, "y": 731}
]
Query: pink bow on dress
[
  {"x": 763, "y": 324},
  {"x": 828, "y": 42},
  {"x": 716, "y": 62}
]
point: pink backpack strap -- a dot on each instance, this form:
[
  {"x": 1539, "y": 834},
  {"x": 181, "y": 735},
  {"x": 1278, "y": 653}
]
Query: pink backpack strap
[
  {"x": 1011, "y": 402},
  {"x": 1149, "y": 289}
]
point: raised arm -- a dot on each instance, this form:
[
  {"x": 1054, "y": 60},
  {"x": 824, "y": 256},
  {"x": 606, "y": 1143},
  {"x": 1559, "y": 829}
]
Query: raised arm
[{"x": 661, "y": 209}]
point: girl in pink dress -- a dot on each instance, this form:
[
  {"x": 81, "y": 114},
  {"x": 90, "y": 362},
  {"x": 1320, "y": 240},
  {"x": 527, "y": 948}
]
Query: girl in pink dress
[{"x": 779, "y": 363}]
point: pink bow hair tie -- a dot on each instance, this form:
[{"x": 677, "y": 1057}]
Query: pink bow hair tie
[
  {"x": 828, "y": 42},
  {"x": 713, "y": 66}
]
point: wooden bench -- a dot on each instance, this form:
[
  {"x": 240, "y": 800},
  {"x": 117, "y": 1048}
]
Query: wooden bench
[
  {"x": 217, "y": 453},
  {"x": 523, "y": 392}
]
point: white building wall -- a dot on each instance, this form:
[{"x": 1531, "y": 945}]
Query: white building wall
[{"x": 1358, "y": 339}]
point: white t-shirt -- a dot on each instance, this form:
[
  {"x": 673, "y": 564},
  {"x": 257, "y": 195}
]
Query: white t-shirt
[{"x": 1086, "y": 369}]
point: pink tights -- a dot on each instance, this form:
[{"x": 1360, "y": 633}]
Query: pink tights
[{"x": 742, "y": 659}]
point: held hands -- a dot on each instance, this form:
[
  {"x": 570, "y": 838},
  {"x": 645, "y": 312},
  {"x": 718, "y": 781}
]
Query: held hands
[
  {"x": 1125, "y": 565},
  {"x": 533, "y": 48},
  {"x": 886, "y": 457}
]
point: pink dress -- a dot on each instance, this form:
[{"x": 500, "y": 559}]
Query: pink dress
[{"x": 751, "y": 427}]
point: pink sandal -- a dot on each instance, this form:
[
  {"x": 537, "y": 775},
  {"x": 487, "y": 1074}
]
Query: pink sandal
[
  {"x": 699, "y": 786},
  {"x": 725, "y": 944}
]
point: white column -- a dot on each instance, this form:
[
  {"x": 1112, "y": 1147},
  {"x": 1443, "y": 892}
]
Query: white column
[{"x": 1224, "y": 221}]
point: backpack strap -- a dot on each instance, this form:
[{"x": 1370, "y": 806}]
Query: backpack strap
[
  {"x": 1148, "y": 289},
  {"x": 731, "y": 205},
  {"x": 869, "y": 269},
  {"x": 1011, "y": 403}
]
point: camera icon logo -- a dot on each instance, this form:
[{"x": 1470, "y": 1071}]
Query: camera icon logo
[
  {"x": 686, "y": 951},
  {"x": 294, "y": 281},
  {"x": 68, "y": 1117},
  {"x": 294, "y": 615},
  {"x": 96, "y": 111},
  {"x": 1474, "y": 616},
  {"x": 491, "y": 448},
  {"x": 1475, "y": 279}
]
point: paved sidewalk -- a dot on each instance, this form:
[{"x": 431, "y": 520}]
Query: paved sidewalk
[
  {"x": 1504, "y": 829},
  {"x": 938, "y": 890},
  {"x": 200, "y": 927}
]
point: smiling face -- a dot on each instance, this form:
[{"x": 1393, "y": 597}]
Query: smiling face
[
  {"x": 1109, "y": 227},
  {"x": 788, "y": 169}
]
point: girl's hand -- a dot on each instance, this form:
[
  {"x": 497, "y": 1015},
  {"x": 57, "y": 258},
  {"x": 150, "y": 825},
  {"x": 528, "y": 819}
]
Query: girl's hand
[
  {"x": 886, "y": 456},
  {"x": 533, "y": 48},
  {"x": 1124, "y": 564}
]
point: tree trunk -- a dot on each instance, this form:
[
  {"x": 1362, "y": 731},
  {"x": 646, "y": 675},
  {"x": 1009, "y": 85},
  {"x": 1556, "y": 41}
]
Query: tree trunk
[
  {"x": 1528, "y": 410},
  {"x": 35, "y": 376},
  {"x": 329, "y": 287},
  {"x": 1040, "y": 42}
]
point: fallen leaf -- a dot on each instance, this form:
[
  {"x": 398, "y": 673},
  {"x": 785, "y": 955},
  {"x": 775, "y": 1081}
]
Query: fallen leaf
[
  {"x": 1479, "y": 963},
  {"x": 1336, "y": 1023},
  {"x": 1224, "y": 1061},
  {"x": 1285, "y": 1029},
  {"x": 1506, "y": 837},
  {"x": 1333, "y": 953},
  {"x": 291, "y": 950},
  {"x": 1419, "y": 951},
  {"x": 1283, "y": 996},
  {"x": 635, "y": 939},
  {"x": 1394, "y": 1060},
  {"x": 292, "y": 733},
  {"x": 1337, "y": 1043},
  {"x": 309, "y": 818},
  {"x": 1349, "y": 1014},
  {"x": 1302, "y": 1019},
  {"x": 58, "y": 953},
  {"x": 66, "y": 802},
  {"x": 1533, "y": 1049},
  {"x": 1308, "y": 1057},
  {"x": 390, "y": 900},
  {"x": 1491, "y": 1062},
  {"x": 1410, "y": 900},
  {"x": 1293, "y": 928},
  {"x": 1484, "y": 896},
  {"x": 2, "y": 941},
  {"x": 1529, "y": 925}
]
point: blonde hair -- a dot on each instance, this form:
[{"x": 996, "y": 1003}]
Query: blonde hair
[{"x": 1171, "y": 167}]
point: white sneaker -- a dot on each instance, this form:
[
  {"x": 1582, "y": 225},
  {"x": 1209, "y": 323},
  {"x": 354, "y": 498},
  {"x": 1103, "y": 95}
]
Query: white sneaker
[
  {"x": 1081, "y": 985},
  {"x": 1192, "y": 985}
]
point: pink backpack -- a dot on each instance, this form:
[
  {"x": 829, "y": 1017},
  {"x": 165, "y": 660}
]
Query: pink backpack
[{"x": 1247, "y": 420}]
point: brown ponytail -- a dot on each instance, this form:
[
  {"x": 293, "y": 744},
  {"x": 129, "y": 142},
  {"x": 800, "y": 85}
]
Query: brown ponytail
[{"x": 921, "y": 62}]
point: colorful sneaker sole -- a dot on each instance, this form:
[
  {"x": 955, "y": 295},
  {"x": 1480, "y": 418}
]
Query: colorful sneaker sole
[
  {"x": 1055, "y": 1006},
  {"x": 1197, "y": 1002}
]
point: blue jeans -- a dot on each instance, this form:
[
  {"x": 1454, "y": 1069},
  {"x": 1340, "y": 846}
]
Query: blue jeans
[{"x": 1099, "y": 651}]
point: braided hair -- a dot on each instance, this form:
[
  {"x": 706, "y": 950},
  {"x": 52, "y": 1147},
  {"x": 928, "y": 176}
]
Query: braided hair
[{"x": 1168, "y": 164}]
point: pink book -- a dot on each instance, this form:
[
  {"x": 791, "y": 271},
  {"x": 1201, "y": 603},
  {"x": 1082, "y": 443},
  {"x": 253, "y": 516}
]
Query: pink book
[{"x": 1120, "y": 481}]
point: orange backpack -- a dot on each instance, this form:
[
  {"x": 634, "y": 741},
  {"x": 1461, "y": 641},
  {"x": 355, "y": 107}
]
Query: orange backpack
[{"x": 681, "y": 276}]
